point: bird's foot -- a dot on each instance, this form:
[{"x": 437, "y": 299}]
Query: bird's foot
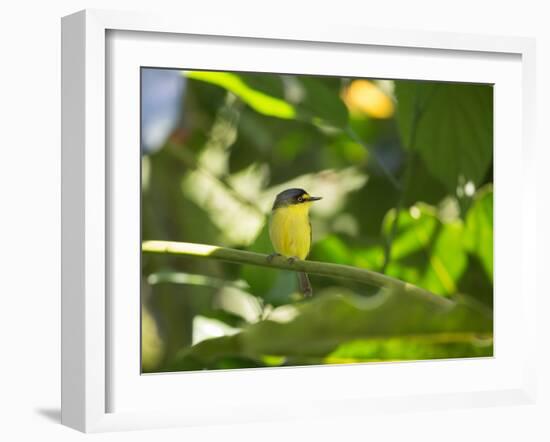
[
  {"x": 273, "y": 256},
  {"x": 292, "y": 259}
]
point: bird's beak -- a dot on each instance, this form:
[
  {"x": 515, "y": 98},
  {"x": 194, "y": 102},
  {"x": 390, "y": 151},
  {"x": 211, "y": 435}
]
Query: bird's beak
[{"x": 315, "y": 198}]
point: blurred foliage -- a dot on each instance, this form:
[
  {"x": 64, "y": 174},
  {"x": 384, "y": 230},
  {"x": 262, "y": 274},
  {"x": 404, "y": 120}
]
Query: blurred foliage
[
  {"x": 315, "y": 329},
  {"x": 405, "y": 169}
]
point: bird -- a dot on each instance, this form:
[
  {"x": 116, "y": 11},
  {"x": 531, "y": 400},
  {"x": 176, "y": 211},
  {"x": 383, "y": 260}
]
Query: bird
[{"x": 290, "y": 230}]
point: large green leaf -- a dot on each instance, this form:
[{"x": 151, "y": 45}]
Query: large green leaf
[
  {"x": 478, "y": 235},
  {"x": 330, "y": 320},
  {"x": 451, "y": 125}
]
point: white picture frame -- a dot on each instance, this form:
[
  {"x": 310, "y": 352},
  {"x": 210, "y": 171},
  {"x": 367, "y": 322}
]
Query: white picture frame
[{"x": 91, "y": 326}]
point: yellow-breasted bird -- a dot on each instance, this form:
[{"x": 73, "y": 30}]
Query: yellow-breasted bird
[{"x": 290, "y": 229}]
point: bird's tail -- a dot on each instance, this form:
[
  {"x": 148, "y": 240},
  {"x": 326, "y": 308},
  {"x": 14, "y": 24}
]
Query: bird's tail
[{"x": 304, "y": 284}]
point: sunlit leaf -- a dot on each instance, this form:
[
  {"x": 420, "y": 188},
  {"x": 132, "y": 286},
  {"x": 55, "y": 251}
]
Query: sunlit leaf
[
  {"x": 230, "y": 201},
  {"x": 370, "y": 258},
  {"x": 427, "y": 251},
  {"x": 478, "y": 235},
  {"x": 430, "y": 346},
  {"x": 259, "y": 101},
  {"x": 208, "y": 328},
  {"x": 319, "y": 104},
  {"x": 447, "y": 260},
  {"x": 238, "y": 302}
]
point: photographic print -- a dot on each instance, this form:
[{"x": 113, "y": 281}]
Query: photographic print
[{"x": 295, "y": 220}]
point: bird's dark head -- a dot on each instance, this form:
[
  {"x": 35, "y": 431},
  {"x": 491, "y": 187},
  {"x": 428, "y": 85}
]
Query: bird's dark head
[{"x": 291, "y": 197}]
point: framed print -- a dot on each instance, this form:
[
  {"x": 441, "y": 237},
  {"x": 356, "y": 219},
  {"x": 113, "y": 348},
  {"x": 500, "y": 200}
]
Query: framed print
[{"x": 263, "y": 224}]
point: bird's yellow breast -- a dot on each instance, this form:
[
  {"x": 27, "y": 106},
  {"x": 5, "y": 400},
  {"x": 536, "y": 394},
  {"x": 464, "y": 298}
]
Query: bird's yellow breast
[{"x": 290, "y": 230}]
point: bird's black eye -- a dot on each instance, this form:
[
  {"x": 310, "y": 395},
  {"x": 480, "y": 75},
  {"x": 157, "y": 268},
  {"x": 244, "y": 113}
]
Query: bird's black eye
[{"x": 300, "y": 199}]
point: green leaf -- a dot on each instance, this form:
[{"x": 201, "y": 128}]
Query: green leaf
[
  {"x": 478, "y": 235},
  {"x": 332, "y": 249},
  {"x": 451, "y": 126},
  {"x": 332, "y": 319},
  {"x": 259, "y": 101},
  {"x": 427, "y": 251},
  {"x": 431, "y": 346},
  {"x": 321, "y": 103}
]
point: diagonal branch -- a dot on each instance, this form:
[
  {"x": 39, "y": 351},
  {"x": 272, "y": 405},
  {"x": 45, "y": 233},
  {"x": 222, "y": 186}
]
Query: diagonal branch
[{"x": 313, "y": 267}]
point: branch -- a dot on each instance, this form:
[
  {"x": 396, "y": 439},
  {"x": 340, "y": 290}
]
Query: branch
[{"x": 313, "y": 267}]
